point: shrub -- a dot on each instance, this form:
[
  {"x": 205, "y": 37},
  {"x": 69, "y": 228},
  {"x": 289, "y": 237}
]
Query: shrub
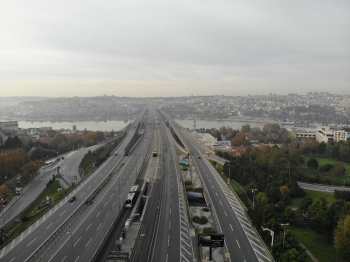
[
  {"x": 24, "y": 219},
  {"x": 208, "y": 230},
  {"x": 200, "y": 220},
  {"x": 188, "y": 182}
]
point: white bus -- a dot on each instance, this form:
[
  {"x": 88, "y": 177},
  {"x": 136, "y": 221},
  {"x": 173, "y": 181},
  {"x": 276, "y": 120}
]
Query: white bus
[
  {"x": 134, "y": 188},
  {"x": 129, "y": 200}
]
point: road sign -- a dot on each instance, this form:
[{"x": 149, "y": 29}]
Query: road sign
[{"x": 211, "y": 240}]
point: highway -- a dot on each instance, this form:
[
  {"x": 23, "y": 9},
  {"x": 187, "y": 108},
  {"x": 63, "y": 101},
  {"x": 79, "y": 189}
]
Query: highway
[
  {"x": 323, "y": 188},
  {"x": 172, "y": 238},
  {"x": 59, "y": 219},
  {"x": 241, "y": 240},
  {"x": 34, "y": 188}
]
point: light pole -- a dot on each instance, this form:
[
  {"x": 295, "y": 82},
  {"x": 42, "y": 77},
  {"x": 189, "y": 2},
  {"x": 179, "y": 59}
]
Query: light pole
[
  {"x": 229, "y": 171},
  {"x": 119, "y": 192},
  {"x": 284, "y": 232},
  {"x": 253, "y": 191},
  {"x": 271, "y": 234},
  {"x": 142, "y": 235},
  {"x": 71, "y": 238}
]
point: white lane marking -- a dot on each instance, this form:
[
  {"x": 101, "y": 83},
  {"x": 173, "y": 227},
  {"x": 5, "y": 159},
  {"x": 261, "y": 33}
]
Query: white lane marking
[
  {"x": 63, "y": 258},
  {"x": 77, "y": 241},
  {"x": 99, "y": 227},
  {"x": 169, "y": 224},
  {"x": 105, "y": 204},
  {"x": 216, "y": 194},
  {"x": 238, "y": 243},
  {"x": 49, "y": 225},
  {"x": 88, "y": 227},
  {"x": 225, "y": 213},
  {"x": 107, "y": 214},
  {"x": 220, "y": 202},
  {"x": 98, "y": 214},
  {"x": 231, "y": 227},
  {"x": 88, "y": 242},
  {"x": 31, "y": 242},
  {"x": 63, "y": 212}
]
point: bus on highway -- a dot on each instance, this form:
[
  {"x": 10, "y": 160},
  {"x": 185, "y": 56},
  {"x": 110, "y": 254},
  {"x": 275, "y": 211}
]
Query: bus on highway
[
  {"x": 134, "y": 188},
  {"x": 129, "y": 200}
]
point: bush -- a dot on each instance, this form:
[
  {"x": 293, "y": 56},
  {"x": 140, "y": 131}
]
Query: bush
[
  {"x": 188, "y": 182},
  {"x": 199, "y": 220},
  {"x": 24, "y": 219},
  {"x": 345, "y": 195},
  {"x": 189, "y": 187},
  {"x": 326, "y": 168},
  {"x": 208, "y": 230}
]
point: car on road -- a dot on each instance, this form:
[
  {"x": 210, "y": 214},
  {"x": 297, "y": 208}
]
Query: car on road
[
  {"x": 199, "y": 157},
  {"x": 72, "y": 199}
]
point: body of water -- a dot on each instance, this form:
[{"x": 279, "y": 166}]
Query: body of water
[
  {"x": 207, "y": 124},
  {"x": 81, "y": 125},
  {"x": 118, "y": 125}
]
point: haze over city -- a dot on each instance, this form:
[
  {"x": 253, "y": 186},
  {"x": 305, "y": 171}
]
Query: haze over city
[{"x": 153, "y": 48}]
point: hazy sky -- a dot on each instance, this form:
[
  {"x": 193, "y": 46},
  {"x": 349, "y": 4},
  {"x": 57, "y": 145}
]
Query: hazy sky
[{"x": 173, "y": 48}]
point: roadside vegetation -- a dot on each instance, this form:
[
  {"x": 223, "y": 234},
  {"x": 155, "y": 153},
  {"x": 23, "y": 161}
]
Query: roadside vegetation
[
  {"x": 49, "y": 197},
  {"x": 270, "y": 175}
]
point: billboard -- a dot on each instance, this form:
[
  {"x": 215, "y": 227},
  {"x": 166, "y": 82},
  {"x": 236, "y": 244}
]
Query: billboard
[{"x": 211, "y": 240}]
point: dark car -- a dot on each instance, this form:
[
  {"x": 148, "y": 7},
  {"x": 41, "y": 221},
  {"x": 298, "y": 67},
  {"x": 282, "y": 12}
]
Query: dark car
[
  {"x": 72, "y": 199},
  {"x": 199, "y": 157}
]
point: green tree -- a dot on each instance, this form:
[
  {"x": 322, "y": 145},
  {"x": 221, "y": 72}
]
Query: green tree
[
  {"x": 342, "y": 236},
  {"x": 338, "y": 170},
  {"x": 312, "y": 163}
]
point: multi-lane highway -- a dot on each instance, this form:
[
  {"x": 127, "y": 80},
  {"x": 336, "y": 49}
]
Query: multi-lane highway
[
  {"x": 172, "y": 238},
  {"x": 241, "y": 240},
  {"x": 58, "y": 220},
  {"x": 74, "y": 231}
]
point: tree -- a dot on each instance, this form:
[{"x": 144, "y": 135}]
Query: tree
[
  {"x": 239, "y": 140},
  {"x": 321, "y": 218},
  {"x": 245, "y": 128},
  {"x": 342, "y": 236},
  {"x": 5, "y": 193},
  {"x": 292, "y": 255},
  {"x": 271, "y": 127},
  {"x": 305, "y": 203},
  {"x": 312, "y": 163},
  {"x": 338, "y": 170},
  {"x": 284, "y": 190}
]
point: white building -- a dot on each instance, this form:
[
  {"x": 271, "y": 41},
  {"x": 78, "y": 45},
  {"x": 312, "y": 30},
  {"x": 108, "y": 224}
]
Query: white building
[
  {"x": 341, "y": 135},
  {"x": 324, "y": 134},
  {"x": 9, "y": 125}
]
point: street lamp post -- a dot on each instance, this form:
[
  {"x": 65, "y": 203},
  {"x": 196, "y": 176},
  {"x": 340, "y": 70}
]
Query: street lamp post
[
  {"x": 71, "y": 238},
  {"x": 142, "y": 235},
  {"x": 284, "y": 232},
  {"x": 253, "y": 191},
  {"x": 229, "y": 171},
  {"x": 271, "y": 234}
]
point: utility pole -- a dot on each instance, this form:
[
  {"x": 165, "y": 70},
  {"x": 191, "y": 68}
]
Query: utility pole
[
  {"x": 253, "y": 191},
  {"x": 284, "y": 232}
]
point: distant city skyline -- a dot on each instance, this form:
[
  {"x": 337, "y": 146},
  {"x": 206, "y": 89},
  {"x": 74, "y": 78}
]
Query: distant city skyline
[{"x": 182, "y": 48}]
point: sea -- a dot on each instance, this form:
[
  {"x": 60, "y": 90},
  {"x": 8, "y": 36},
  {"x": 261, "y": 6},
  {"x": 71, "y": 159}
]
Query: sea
[{"x": 116, "y": 125}]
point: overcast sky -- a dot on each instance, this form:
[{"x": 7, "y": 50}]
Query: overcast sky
[{"x": 173, "y": 48}]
